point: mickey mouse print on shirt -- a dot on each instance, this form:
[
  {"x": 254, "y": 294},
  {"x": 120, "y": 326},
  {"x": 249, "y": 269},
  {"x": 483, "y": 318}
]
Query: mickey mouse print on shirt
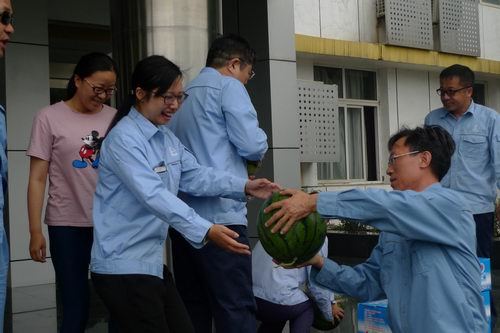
[{"x": 89, "y": 152}]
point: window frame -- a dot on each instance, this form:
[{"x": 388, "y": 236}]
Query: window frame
[
  {"x": 355, "y": 103},
  {"x": 485, "y": 3}
]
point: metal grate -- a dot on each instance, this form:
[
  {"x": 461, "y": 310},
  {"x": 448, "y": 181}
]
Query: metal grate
[
  {"x": 459, "y": 27},
  {"x": 380, "y": 8},
  {"x": 409, "y": 23},
  {"x": 318, "y": 121}
]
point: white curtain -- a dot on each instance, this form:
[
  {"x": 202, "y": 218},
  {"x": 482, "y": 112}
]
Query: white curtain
[{"x": 355, "y": 145}]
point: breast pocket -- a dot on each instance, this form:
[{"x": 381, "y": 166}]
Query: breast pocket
[
  {"x": 387, "y": 262},
  {"x": 172, "y": 175},
  {"x": 472, "y": 145}
]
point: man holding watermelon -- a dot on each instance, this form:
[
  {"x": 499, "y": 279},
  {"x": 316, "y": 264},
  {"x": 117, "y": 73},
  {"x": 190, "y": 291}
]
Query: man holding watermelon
[
  {"x": 219, "y": 125},
  {"x": 425, "y": 262}
]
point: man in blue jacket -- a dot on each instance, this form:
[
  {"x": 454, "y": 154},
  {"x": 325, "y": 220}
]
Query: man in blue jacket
[
  {"x": 6, "y": 28},
  {"x": 218, "y": 124},
  {"x": 475, "y": 165},
  {"x": 425, "y": 262}
]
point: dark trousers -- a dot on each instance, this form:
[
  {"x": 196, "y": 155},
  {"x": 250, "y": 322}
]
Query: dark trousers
[
  {"x": 70, "y": 251},
  {"x": 484, "y": 238},
  {"x": 143, "y": 303},
  {"x": 484, "y": 234},
  {"x": 215, "y": 283},
  {"x": 274, "y": 316}
]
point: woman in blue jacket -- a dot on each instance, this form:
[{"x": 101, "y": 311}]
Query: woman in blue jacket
[{"x": 142, "y": 167}]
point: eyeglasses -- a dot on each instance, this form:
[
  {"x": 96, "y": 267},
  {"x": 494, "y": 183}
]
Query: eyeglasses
[
  {"x": 7, "y": 18},
  {"x": 170, "y": 98},
  {"x": 450, "y": 92},
  {"x": 252, "y": 72},
  {"x": 101, "y": 90},
  {"x": 393, "y": 158}
]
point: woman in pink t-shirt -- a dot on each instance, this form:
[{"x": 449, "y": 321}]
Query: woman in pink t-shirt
[{"x": 64, "y": 145}]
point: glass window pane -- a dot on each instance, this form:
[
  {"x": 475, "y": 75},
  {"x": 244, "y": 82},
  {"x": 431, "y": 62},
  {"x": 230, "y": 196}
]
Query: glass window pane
[
  {"x": 336, "y": 170},
  {"x": 494, "y": 2},
  {"x": 360, "y": 84},
  {"x": 329, "y": 75},
  {"x": 355, "y": 147}
]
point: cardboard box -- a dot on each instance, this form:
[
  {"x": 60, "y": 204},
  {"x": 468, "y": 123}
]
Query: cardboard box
[
  {"x": 372, "y": 317},
  {"x": 487, "y": 306},
  {"x": 485, "y": 273}
]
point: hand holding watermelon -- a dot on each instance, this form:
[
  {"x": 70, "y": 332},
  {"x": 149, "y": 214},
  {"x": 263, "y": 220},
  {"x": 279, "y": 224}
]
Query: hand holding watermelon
[
  {"x": 261, "y": 188},
  {"x": 297, "y": 247},
  {"x": 291, "y": 210}
]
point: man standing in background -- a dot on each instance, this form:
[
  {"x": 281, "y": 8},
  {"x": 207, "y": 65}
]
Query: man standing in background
[
  {"x": 6, "y": 29},
  {"x": 218, "y": 124},
  {"x": 475, "y": 165}
]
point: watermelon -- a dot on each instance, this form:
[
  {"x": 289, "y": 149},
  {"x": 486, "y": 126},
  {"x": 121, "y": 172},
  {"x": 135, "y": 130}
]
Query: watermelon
[{"x": 299, "y": 244}]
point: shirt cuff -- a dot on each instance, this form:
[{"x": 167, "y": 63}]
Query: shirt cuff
[
  {"x": 326, "y": 204},
  {"x": 323, "y": 277},
  {"x": 203, "y": 224}
]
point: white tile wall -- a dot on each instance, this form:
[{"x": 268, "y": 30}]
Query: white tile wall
[
  {"x": 339, "y": 19},
  {"x": 284, "y": 104},
  {"x": 29, "y": 273},
  {"x": 286, "y": 168},
  {"x": 367, "y": 21},
  {"x": 280, "y": 30},
  {"x": 413, "y": 97},
  {"x": 490, "y": 43},
  {"x": 307, "y": 17}
]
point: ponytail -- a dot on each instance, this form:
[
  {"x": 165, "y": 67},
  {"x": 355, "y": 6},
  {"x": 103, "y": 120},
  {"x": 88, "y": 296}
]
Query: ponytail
[{"x": 123, "y": 110}]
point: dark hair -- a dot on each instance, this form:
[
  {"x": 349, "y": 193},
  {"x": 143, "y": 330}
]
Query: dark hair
[
  {"x": 464, "y": 73},
  {"x": 227, "y": 47},
  {"x": 433, "y": 139},
  {"x": 153, "y": 72},
  {"x": 88, "y": 65}
]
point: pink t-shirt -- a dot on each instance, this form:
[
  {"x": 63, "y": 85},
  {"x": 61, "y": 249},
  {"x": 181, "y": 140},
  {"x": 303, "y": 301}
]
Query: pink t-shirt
[{"x": 69, "y": 141}]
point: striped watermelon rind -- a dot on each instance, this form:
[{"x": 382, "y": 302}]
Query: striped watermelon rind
[{"x": 299, "y": 244}]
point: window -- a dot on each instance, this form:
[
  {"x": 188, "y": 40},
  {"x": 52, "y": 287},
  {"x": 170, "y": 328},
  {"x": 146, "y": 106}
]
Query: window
[
  {"x": 493, "y": 2},
  {"x": 357, "y": 121}
]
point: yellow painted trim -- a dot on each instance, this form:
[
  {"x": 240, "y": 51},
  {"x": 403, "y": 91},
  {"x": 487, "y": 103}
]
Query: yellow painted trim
[{"x": 373, "y": 51}]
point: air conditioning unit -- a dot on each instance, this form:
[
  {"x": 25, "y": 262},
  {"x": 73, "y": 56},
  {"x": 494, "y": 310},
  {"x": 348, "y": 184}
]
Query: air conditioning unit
[
  {"x": 435, "y": 11},
  {"x": 380, "y": 8}
]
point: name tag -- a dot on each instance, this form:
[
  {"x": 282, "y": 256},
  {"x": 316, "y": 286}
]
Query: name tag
[{"x": 160, "y": 168}]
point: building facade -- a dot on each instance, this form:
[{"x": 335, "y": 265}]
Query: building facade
[{"x": 384, "y": 57}]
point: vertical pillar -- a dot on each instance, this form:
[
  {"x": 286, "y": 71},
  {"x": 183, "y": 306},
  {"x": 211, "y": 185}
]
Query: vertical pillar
[
  {"x": 26, "y": 73},
  {"x": 269, "y": 27},
  {"x": 177, "y": 29}
]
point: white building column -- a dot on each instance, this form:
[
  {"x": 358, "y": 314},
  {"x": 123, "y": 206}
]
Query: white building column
[{"x": 269, "y": 27}]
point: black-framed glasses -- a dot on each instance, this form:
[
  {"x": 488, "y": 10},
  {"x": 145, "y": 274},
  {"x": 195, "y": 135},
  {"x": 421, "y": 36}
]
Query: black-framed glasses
[
  {"x": 450, "y": 92},
  {"x": 393, "y": 158},
  {"x": 171, "y": 98},
  {"x": 7, "y": 18},
  {"x": 101, "y": 90}
]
